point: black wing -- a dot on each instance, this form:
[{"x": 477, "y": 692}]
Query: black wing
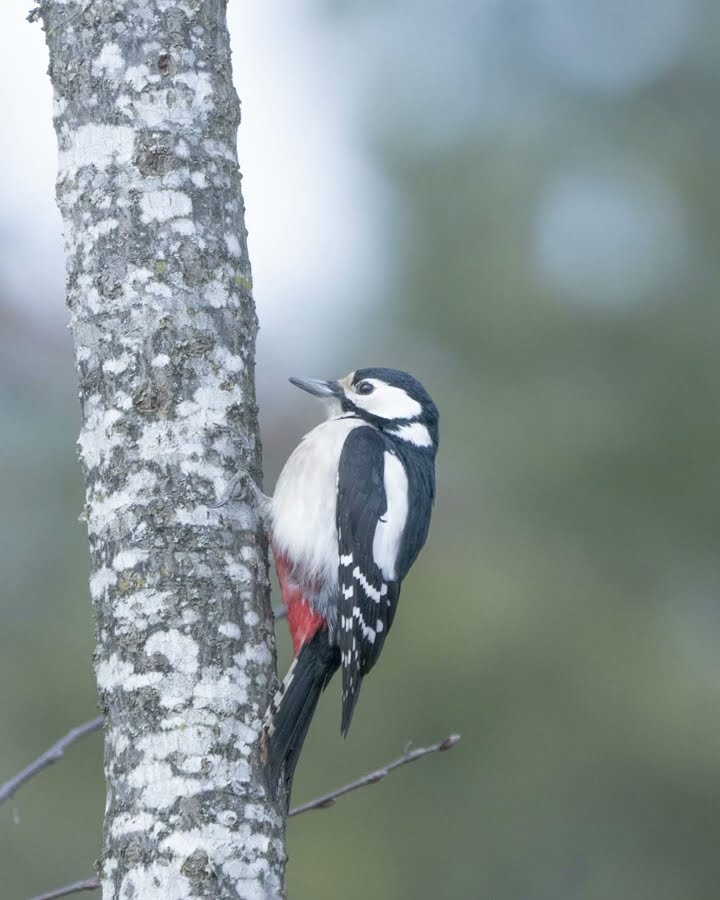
[{"x": 368, "y": 599}]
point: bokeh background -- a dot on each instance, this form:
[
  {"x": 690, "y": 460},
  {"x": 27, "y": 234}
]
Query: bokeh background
[{"x": 519, "y": 201}]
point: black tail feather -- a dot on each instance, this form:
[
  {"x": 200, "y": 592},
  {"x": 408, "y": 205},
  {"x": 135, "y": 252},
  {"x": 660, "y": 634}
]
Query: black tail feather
[
  {"x": 286, "y": 730},
  {"x": 349, "y": 702}
]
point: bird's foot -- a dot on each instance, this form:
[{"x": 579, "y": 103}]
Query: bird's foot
[{"x": 241, "y": 487}]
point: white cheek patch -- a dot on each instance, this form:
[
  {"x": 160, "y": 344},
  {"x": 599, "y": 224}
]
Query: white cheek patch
[{"x": 387, "y": 402}]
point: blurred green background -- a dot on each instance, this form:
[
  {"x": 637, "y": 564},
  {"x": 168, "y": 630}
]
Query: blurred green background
[{"x": 537, "y": 184}]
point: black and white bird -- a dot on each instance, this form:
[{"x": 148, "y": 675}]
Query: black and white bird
[{"x": 350, "y": 513}]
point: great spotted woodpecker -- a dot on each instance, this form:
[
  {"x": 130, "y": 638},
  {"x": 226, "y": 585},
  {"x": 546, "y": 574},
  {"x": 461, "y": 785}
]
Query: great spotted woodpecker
[{"x": 350, "y": 513}]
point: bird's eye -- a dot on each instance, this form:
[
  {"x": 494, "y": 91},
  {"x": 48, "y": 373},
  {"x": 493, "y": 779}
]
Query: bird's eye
[{"x": 364, "y": 388}]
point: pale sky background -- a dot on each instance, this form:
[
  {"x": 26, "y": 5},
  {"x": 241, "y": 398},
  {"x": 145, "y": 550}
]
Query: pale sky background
[
  {"x": 323, "y": 221},
  {"x": 312, "y": 199}
]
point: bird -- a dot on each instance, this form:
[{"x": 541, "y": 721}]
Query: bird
[{"x": 349, "y": 514}]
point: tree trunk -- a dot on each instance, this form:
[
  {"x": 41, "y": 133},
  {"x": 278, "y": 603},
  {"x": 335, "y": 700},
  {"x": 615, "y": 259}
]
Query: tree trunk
[{"x": 159, "y": 288}]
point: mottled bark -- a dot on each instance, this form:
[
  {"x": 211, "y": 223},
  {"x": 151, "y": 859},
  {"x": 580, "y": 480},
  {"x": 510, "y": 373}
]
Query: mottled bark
[{"x": 159, "y": 289}]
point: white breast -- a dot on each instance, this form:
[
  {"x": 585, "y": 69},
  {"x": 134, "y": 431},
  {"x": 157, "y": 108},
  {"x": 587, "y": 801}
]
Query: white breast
[{"x": 303, "y": 506}]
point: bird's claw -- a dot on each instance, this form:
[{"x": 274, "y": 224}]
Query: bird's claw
[
  {"x": 231, "y": 492},
  {"x": 242, "y": 485}
]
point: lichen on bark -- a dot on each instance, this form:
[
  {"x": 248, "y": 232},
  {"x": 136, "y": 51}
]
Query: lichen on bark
[{"x": 159, "y": 291}]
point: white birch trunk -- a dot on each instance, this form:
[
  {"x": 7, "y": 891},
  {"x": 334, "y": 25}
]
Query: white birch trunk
[{"x": 159, "y": 289}]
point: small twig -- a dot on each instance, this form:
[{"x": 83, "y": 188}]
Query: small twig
[
  {"x": 373, "y": 777},
  {"x": 48, "y": 757},
  {"x": 90, "y": 884},
  {"x": 280, "y": 612}
]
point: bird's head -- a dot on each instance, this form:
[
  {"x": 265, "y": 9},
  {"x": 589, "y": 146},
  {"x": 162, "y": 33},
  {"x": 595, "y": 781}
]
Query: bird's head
[{"x": 389, "y": 399}]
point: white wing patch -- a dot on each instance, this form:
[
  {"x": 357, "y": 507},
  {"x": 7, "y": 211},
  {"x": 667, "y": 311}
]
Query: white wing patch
[{"x": 389, "y": 530}]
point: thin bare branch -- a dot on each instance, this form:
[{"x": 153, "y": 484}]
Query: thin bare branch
[
  {"x": 408, "y": 756},
  {"x": 90, "y": 884},
  {"x": 323, "y": 802},
  {"x": 57, "y": 750},
  {"x": 48, "y": 757}
]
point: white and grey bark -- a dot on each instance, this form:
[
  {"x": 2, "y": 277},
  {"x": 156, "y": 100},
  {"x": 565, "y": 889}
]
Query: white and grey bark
[{"x": 159, "y": 290}]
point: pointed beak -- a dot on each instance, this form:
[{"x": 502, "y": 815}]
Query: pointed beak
[{"x": 317, "y": 387}]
